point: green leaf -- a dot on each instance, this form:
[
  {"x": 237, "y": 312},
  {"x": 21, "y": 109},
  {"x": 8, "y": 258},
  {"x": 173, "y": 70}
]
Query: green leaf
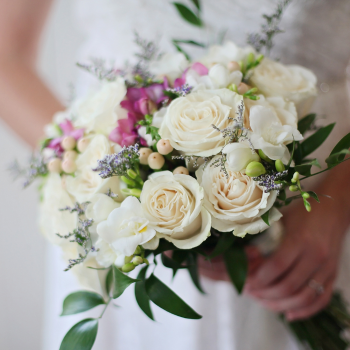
[
  {"x": 180, "y": 49},
  {"x": 225, "y": 242},
  {"x": 167, "y": 300},
  {"x": 80, "y": 302},
  {"x": 170, "y": 263},
  {"x": 265, "y": 217},
  {"x": 141, "y": 296},
  {"x": 189, "y": 42},
  {"x": 197, "y": 4},
  {"x": 121, "y": 281},
  {"x": 305, "y": 169},
  {"x": 305, "y": 123},
  {"x": 188, "y": 15},
  {"x": 292, "y": 155},
  {"x": 193, "y": 271},
  {"x": 343, "y": 144},
  {"x": 109, "y": 281},
  {"x": 81, "y": 336},
  {"x": 313, "y": 195},
  {"x": 336, "y": 158},
  {"x": 163, "y": 246},
  {"x": 282, "y": 196},
  {"x": 237, "y": 266},
  {"x": 315, "y": 140}
]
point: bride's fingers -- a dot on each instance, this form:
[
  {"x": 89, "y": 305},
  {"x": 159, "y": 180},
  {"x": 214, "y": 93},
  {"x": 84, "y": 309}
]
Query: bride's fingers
[
  {"x": 320, "y": 302},
  {"x": 305, "y": 296}
]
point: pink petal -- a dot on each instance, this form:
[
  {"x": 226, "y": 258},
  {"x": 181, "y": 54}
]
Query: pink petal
[
  {"x": 179, "y": 82},
  {"x": 155, "y": 92},
  {"x": 66, "y": 127},
  {"x": 128, "y": 140},
  {"x": 134, "y": 94},
  {"x": 125, "y": 125},
  {"x": 200, "y": 68},
  {"x": 116, "y": 136},
  {"x": 77, "y": 134}
]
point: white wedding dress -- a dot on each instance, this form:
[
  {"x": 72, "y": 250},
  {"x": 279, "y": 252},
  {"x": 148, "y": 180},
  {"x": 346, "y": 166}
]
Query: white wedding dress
[{"x": 316, "y": 37}]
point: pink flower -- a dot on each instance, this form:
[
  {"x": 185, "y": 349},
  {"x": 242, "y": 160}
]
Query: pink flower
[{"x": 124, "y": 134}]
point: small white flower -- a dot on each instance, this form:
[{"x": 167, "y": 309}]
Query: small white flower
[{"x": 125, "y": 228}]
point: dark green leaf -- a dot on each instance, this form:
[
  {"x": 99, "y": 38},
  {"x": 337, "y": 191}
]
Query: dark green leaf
[
  {"x": 141, "y": 295},
  {"x": 164, "y": 245},
  {"x": 197, "y": 3},
  {"x": 315, "y": 140},
  {"x": 167, "y": 300},
  {"x": 292, "y": 155},
  {"x": 225, "y": 242},
  {"x": 305, "y": 123},
  {"x": 193, "y": 271},
  {"x": 81, "y": 336},
  {"x": 188, "y": 14},
  {"x": 121, "y": 282},
  {"x": 313, "y": 195},
  {"x": 189, "y": 42},
  {"x": 109, "y": 281},
  {"x": 170, "y": 263},
  {"x": 265, "y": 217},
  {"x": 180, "y": 49},
  {"x": 237, "y": 266},
  {"x": 282, "y": 196},
  {"x": 343, "y": 144},
  {"x": 80, "y": 302},
  {"x": 336, "y": 158},
  {"x": 305, "y": 169}
]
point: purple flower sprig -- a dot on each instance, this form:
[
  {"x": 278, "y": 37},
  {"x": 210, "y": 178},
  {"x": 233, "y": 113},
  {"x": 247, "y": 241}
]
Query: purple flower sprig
[
  {"x": 268, "y": 181},
  {"x": 118, "y": 164}
]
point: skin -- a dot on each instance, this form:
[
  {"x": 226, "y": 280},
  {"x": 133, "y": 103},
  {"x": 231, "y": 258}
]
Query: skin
[
  {"x": 310, "y": 250},
  {"x": 280, "y": 282},
  {"x": 26, "y": 104}
]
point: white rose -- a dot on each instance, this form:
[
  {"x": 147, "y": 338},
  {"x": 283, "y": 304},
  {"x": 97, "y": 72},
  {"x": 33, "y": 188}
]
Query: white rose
[
  {"x": 86, "y": 182},
  {"x": 236, "y": 203},
  {"x": 294, "y": 83},
  {"x": 218, "y": 77},
  {"x": 173, "y": 206},
  {"x": 125, "y": 228},
  {"x": 51, "y": 219},
  {"x": 226, "y": 53},
  {"x": 170, "y": 66},
  {"x": 269, "y": 133},
  {"x": 188, "y": 123},
  {"x": 101, "y": 111},
  {"x": 239, "y": 155}
]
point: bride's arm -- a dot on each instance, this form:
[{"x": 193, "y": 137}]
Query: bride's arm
[{"x": 26, "y": 104}]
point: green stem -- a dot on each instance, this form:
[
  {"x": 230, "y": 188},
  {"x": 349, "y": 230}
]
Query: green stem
[{"x": 104, "y": 309}]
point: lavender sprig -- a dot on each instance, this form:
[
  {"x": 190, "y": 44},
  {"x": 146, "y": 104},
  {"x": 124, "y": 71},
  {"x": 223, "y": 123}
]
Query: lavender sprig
[
  {"x": 36, "y": 168},
  {"x": 181, "y": 91},
  {"x": 119, "y": 163},
  {"x": 268, "y": 181}
]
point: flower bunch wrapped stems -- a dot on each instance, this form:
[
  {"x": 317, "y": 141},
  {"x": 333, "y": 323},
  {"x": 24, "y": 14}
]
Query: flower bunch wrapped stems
[{"x": 188, "y": 157}]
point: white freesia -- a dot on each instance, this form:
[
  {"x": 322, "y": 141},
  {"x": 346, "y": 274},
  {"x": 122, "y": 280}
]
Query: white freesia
[
  {"x": 169, "y": 65},
  {"x": 218, "y": 77},
  {"x": 236, "y": 202},
  {"x": 125, "y": 228},
  {"x": 51, "y": 219},
  {"x": 270, "y": 135},
  {"x": 188, "y": 123},
  {"x": 239, "y": 155},
  {"x": 101, "y": 111},
  {"x": 86, "y": 182},
  {"x": 226, "y": 53},
  {"x": 294, "y": 83},
  {"x": 173, "y": 206}
]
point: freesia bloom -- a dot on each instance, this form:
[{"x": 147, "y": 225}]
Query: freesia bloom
[
  {"x": 188, "y": 123},
  {"x": 236, "y": 203},
  {"x": 173, "y": 206},
  {"x": 125, "y": 228}
]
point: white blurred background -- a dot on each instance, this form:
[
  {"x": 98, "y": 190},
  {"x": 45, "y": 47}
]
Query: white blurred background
[{"x": 23, "y": 249}]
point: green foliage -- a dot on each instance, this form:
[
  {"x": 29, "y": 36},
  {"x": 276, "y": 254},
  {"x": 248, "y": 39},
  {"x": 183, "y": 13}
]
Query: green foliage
[
  {"x": 224, "y": 243},
  {"x": 313, "y": 195},
  {"x": 81, "y": 336},
  {"x": 339, "y": 151},
  {"x": 141, "y": 296},
  {"x": 177, "y": 42},
  {"x": 120, "y": 282},
  {"x": 81, "y": 301},
  {"x": 305, "y": 168},
  {"x": 188, "y": 15},
  {"x": 193, "y": 271},
  {"x": 197, "y": 3},
  {"x": 237, "y": 266},
  {"x": 167, "y": 300},
  {"x": 265, "y": 217},
  {"x": 150, "y": 130},
  {"x": 306, "y": 123}
]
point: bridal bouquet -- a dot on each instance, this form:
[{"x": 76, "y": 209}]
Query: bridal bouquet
[{"x": 192, "y": 157}]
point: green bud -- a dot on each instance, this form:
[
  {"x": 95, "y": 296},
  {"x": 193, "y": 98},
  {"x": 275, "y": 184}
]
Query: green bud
[
  {"x": 128, "y": 267},
  {"x": 128, "y": 181},
  {"x": 251, "y": 91},
  {"x": 127, "y": 259},
  {"x": 260, "y": 58},
  {"x": 279, "y": 166},
  {"x": 138, "y": 78},
  {"x": 264, "y": 157},
  {"x": 131, "y": 173},
  {"x": 145, "y": 261},
  {"x": 251, "y": 58},
  {"x": 253, "y": 97},
  {"x": 307, "y": 205},
  {"x": 137, "y": 260},
  {"x": 233, "y": 87},
  {"x": 135, "y": 192},
  {"x": 293, "y": 188},
  {"x": 138, "y": 250},
  {"x": 126, "y": 191},
  {"x": 254, "y": 169},
  {"x": 295, "y": 177},
  {"x": 305, "y": 195}
]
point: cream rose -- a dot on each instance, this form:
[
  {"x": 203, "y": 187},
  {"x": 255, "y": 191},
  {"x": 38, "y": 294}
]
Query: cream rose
[
  {"x": 236, "y": 203},
  {"x": 294, "y": 83},
  {"x": 101, "y": 111},
  {"x": 86, "y": 182},
  {"x": 188, "y": 123},
  {"x": 173, "y": 206}
]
